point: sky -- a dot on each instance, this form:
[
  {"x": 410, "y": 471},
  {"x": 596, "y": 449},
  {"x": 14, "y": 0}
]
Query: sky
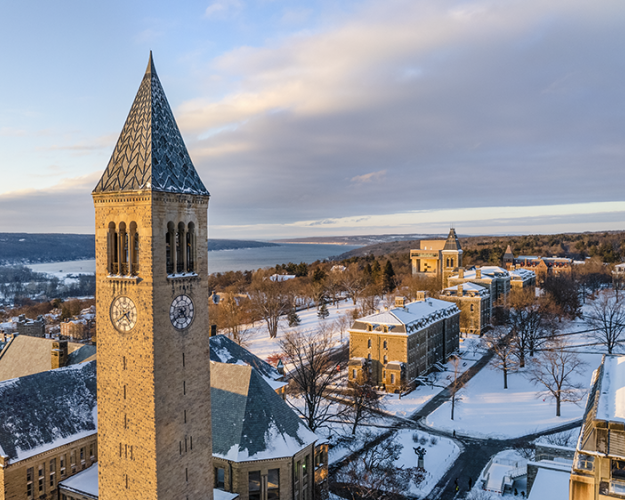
[{"x": 321, "y": 118}]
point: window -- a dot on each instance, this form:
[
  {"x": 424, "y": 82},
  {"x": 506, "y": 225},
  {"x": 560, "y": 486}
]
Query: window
[
  {"x": 62, "y": 465},
  {"x": 170, "y": 249},
  {"x": 369, "y": 343},
  {"x": 273, "y": 484},
  {"x": 385, "y": 359},
  {"x": 385, "y": 345},
  {"x": 29, "y": 482},
  {"x": 354, "y": 373},
  {"x": 392, "y": 378},
  {"x": 369, "y": 356},
  {"x": 306, "y": 463},
  {"x": 220, "y": 478},
  {"x": 52, "y": 471},
  {"x": 91, "y": 451},
  {"x": 254, "y": 485},
  {"x": 471, "y": 307},
  {"x": 111, "y": 242},
  {"x": 297, "y": 470}
]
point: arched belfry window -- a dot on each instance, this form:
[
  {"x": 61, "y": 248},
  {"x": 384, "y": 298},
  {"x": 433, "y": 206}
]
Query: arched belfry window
[
  {"x": 112, "y": 259},
  {"x": 133, "y": 241},
  {"x": 190, "y": 248},
  {"x": 122, "y": 242},
  {"x": 181, "y": 254},
  {"x": 170, "y": 243}
]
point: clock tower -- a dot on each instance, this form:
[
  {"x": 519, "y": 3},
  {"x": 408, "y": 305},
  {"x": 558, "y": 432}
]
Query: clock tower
[{"x": 154, "y": 413}]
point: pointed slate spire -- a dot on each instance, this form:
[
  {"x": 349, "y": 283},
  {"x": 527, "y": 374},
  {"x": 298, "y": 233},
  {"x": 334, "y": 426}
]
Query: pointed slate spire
[
  {"x": 508, "y": 255},
  {"x": 150, "y": 154},
  {"x": 452, "y": 242}
]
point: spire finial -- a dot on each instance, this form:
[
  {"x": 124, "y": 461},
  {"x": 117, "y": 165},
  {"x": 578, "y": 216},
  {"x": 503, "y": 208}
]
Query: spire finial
[{"x": 150, "y": 69}]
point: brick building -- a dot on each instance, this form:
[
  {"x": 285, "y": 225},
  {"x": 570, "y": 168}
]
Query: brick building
[
  {"x": 394, "y": 347},
  {"x": 542, "y": 267},
  {"x": 474, "y": 304}
]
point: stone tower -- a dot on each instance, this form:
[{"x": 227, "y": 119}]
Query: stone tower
[
  {"x": 451, "y": 256},
  {"x": 154, "y": 413}
]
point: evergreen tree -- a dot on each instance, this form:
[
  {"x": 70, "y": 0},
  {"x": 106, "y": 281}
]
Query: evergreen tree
[
  {"x": 323, "y": 312},
  {"x": 388, "y": 281},
  {"x": 293, "y": 318}
]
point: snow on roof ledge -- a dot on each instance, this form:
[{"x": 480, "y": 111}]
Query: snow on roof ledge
[{"x": 611, "y": 405}]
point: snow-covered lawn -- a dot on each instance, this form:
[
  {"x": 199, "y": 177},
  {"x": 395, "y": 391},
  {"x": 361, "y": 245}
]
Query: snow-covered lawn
[
  {"x": 343, "y": 443},
  {"x": 441, "y": 454},
  {"x": 487, "y": 410},
  {"x": 259, "y": 343}
]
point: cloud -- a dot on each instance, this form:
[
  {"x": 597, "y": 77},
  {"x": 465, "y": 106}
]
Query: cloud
[
  {"x": 106, "y": 142},
  {"x": 447, "y": 98},
  {"x": 222, "y": 7},
  {"x": 370, "y": 177}
]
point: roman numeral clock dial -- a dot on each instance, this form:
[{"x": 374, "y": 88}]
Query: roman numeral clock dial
[
  {"x": 181, "y": 312},
  {"x": 123, "y": 314}
]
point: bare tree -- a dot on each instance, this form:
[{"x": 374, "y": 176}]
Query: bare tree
[
  {"x": 529, "y": 322},
  {"x": 352, "y": 282},
  {"x": 363, "y": 401},
  {"x": 234, "y": 317},
  {"x": 554, "y": 370},
  {"x": 314, "y": 374},
  {"x": 270, "y": 299},
  {"x": 373, "y": 474},
  {"x": 500, "y": 342},
  {"x": 607, "y": 316},
  {"x": 342, "y": 323}
]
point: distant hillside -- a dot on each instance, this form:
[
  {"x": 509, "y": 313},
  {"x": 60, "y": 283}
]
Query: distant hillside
[
  {"x": 28, "y": 248},
  {"x": 371, "y": 239},
  {"x": 381, "y": 249},
  {"x": 237, "y": 244}
]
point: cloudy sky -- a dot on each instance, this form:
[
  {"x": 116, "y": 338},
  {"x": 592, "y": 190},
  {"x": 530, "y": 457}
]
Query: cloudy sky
[{"x": 309, "y": 118}]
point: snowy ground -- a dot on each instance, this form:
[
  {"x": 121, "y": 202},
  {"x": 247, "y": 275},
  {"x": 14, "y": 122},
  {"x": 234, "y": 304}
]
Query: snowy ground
[
  {"x": 259, "y": 343},
  {"x": 487, "y": 410},
  {"x": 441, "y": 454}
]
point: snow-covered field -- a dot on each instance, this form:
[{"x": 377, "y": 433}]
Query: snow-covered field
[{"x": 487, "y": 410}]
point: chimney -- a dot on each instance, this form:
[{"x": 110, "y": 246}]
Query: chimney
[
  {"x": 400, "y": 301},
  {"x": 213, "y": 330},
  {"x": 59, "y": 354},
  {"x": 461, "y": 272},
  {"x": 478, "y": 273},
  {"x": 460, "y": 291}
]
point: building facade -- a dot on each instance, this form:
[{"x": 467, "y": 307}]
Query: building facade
[
  {"x": 154, "y": 433},
  {"x": 495, "y": 279},
  {"x": 599, "y": 463},
  {"x": 437, "y": 258},
  {"x": 474, "y": 304},
  {"x": 396, "y": 346}
]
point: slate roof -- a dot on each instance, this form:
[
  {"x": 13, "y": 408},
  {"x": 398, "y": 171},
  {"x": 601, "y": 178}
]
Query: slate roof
[
  {"x": 46, "y": 410},
  {"x": 452, "y": 242},
  {"x": 150, "y": 154},
  {"x": 224, "y": 350},
  {"x": 249, "y": 420},
  {"x": 25, "y": 355}
]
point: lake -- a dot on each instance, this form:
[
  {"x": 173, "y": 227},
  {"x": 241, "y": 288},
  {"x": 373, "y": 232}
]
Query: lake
[{"x": 224, "y": 260}]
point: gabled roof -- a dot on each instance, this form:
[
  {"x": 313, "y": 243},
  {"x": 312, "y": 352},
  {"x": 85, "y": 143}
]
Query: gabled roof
[
  {"x": 84, "y": 483},
  {"x": 249, "y": 420},
  {"x": 25, "y": 355},
  {"x": 46, "y": 410},
  {"x": 452, "y": 242},
  {"x": 150, "y": 154},
  {"x": 224, "y": 350}
]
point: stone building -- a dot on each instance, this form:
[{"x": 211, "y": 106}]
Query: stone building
[
  {"x": 474, "y": 304},
  {"x": 394, "y": 347},
  {"x": 154, "y": 410},
  {"x": 599, "y": 463},
  {"x": 264, "y": 452},
  {"x": 522, "y": 279},
  {"x": 48, "y": 430},
  {"x": 31, "y": 327},
  {"x": 74, "y": 329},
  {"x": 495, "y": 279},
  {"x": 437, "y": 258}
]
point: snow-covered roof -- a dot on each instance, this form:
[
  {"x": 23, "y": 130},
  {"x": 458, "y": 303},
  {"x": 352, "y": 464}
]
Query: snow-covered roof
[
  {"x": 414, "y": 317},
  {"x": 611, "y": 405},
  {"x": 521, "y": 274},
  {"x": 223, "y": 495},
  {"x": 467, "y": 288},
  {"x": 83, "y": 483},
  {"x": 488, "y": 273},
  {"x": 150, "y": 154},
  {"x": 250, "y": 421},
  {"x": 550, "y": 484},
  {"x": 281, "y": 277},
  {"x": 224, "y": 350},
  {"x": 43, "y": 411}
]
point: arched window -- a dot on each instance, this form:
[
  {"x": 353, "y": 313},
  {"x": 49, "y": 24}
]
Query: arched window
[
  {"x": 122, "y": 241},
  {"x": 112, "y": 261},
  {"x": 191, "y": 248},
  {"x": 134, "y": 250},
  {"x": 170, "y": 243},
  {"x": 181, "y": 254}
]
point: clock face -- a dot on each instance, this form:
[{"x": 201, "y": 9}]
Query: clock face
[
  {"x": 181, "y": 312},
  {"x": 123, "y": 314}
]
